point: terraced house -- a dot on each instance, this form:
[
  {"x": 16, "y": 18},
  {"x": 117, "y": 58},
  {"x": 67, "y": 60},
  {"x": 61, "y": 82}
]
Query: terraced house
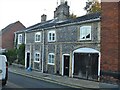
[{"x": 64, "y": 45}]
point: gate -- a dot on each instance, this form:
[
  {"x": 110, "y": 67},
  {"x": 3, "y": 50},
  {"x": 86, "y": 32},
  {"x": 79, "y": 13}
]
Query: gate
[{"x": 86, "y": 65}]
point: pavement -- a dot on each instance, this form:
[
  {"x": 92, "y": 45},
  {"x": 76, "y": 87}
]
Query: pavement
[{"x": 63, "y": 80}]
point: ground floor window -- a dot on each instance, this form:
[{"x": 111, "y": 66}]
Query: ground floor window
[
  {"x": 51, "y": 58},
  {"x": 37, "y": 57}
]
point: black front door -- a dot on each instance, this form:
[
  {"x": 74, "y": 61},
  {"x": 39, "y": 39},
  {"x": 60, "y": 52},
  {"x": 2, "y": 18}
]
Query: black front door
[
  {"x": 28, "y": 60},
  {"x": 66, "y": 65}
]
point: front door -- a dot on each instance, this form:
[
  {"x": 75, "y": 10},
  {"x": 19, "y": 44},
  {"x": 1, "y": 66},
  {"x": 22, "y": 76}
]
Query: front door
[
  {"x": 66, "y": 65},
  {"x": 28, "y": 60}
]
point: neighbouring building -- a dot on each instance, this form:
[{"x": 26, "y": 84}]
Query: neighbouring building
[
  {"x": 64, "y": 45},
  {"x": 110, "y": 33},
  {"x": 7, "y": 34}
]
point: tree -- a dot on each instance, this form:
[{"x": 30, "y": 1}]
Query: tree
[
  {"x": 92, "y": 6},
  {"x": 72, "y": 16},
  {"x": 11, "y": 55},
  {"x": 21, "y": 54}
]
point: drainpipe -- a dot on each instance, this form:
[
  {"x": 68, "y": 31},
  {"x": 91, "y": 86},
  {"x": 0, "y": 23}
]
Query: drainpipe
[{"x": 43, "y": 50}]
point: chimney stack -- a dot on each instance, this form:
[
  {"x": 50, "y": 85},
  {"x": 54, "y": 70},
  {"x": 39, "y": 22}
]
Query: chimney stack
[{"x": 43, "y": 18}]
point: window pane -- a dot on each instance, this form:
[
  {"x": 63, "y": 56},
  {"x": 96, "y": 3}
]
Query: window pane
[
  {"x": 38, "y": 36},
  {"x": 85, "y": 33},
  {"x": 51, "y": 59},
  {"x": 49, "y": 36},
  {"x": 37, "y": 57},
  {"x": 88, "y": 36},
  {"x": 20, "y": 39},
  {"x": 53, "y": 37}
]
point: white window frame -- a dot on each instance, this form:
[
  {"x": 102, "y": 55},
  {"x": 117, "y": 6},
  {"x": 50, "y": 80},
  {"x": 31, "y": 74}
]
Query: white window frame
[
  {"x": 38, "y": 39},
  {"x": 51, "y": 35},
  {"x": 38, "y": 57},
  {"x": 51, "y": 60},
  {"x": 84, "y": 31},
  {"x": 20, "y": 38}
]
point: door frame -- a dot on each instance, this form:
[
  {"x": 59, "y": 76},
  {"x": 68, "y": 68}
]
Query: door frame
[
  {"x": 85, "y": 50},
  {"x": 63, "y": 63},
  {"x": 26, "y": 59}
]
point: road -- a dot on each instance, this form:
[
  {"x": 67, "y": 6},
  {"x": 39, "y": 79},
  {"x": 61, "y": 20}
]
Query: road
[{"x": 18, "y": 81}]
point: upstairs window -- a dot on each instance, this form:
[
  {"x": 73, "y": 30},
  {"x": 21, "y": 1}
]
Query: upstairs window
[
  {"x": 51, "y": 36},
  {"x": 19, "y": 38},
  {"x": 38, "y": 37},
  {"x": 51, "y": 58},
  {"x": 85, "y": 33},
  {"x": 37, "y": 57}
]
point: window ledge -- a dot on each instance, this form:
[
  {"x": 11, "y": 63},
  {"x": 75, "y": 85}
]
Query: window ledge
[
  {"x": 51, "y": 41},
  {"x": 37, "y": 41},
  {"x": 37, "y": 61},
  {"x": 51, "y": 63}
]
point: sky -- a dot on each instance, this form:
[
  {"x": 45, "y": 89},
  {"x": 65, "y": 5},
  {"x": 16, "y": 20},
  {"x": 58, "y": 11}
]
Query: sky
[{"x": 29, "y": 12}]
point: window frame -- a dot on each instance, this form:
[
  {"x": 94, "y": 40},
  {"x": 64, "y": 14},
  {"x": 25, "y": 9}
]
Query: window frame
[
  {"x": 38, "y": 39},
  {"x": 38, "y": 53},
  {"x": 51, "y": 60},
  {"x": 20, "y": 38},
  {"x": 85, "y": 30},
  {"x": 51, "y": 35}
]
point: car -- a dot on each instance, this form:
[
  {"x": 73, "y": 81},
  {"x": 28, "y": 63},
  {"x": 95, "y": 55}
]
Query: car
[{"x": 3, "y": 70}]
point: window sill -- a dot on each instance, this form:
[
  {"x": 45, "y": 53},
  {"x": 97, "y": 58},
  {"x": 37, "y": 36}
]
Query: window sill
[
  {"x": 37, "y": 41},
  {"x": 51, "y": 64},
  {"x": 51, "y": 41},
  {"x": 85, "y": 39},
  {"x": 37, "y": 61}
]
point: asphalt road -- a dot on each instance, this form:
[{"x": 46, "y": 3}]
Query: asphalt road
[{"x": 18, "y": 81}]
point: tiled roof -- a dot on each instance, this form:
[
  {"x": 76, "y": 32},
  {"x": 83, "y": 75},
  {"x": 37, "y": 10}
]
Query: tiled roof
[
  {"x": 13, "y": 25},
  {"x": 56, "y": 22}
]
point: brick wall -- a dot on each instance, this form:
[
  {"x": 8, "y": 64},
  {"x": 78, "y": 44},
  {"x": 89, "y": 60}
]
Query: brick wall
[
  {"x": 109, "y": 40},
  {"x": 8, "y": 35},
  {"x": 119, "y": 41}
]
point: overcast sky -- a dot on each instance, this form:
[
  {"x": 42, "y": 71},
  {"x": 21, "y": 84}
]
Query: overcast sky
[{"x": 29, "y": 12}]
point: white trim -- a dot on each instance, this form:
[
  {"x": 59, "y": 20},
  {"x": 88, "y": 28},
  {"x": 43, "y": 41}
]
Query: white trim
[
  {"x": 72, "y": 64},
  {"x": 38, "y": 33},
  {"x": 36, "y": 52},
  {"x": 99, "y": 66},
  {"x": 54, "y": 59},
  {"x": 52, "y": 32},
  {"x": 86, "y": 50},
  {"x": 84, "y": 30},
  {"x": 26, "y": 59},
  {"x": 63, "y": 62},
  {"x": 20, "y": 38},
  {"x": 25, "y": 38},
  {"x": 37, "y": 61}
]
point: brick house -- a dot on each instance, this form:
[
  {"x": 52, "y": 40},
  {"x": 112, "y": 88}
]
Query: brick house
[
  {"x": 7, "y": 34},
  {"x": 64, "y": 45},
  {"x": 110, "y": 32}
]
